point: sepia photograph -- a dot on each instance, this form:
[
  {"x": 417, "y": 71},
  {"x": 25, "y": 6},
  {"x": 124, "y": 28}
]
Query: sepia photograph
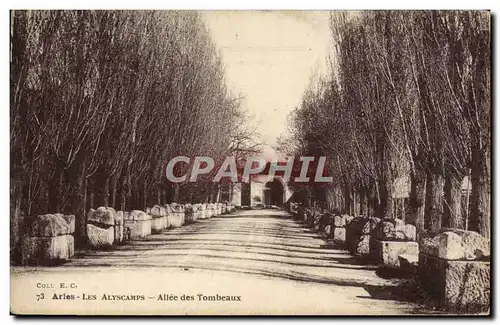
[{"x": 250, "y": 162}]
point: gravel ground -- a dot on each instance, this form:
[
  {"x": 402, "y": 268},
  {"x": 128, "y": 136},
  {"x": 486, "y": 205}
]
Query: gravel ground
[{"x": 271, "y": 262}]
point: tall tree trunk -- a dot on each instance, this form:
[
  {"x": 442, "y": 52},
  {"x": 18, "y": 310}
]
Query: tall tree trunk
[
  {"x": 19, "y": 39},
  {"x": 90, "y": 194},
  {"x": 480, "y": 197},
  {"x": 114, "y": 183},
  {"x": 307, "y": 197},
  {"x": 452, "y": 207},
  {"x": 231, "y": 192},
  {"x": 434, "y": 201},
  {"x": 123, "y": 193},
  {"x": 480, "y": 99},
  {"x": 363, "y": 206},
  {"x": 355, "y": 203},
  {"x": 386, "y": 207},
  {"x": 417, "y": 200},
  {"x": 85, "y": 197},
  {"x": 371, "y": 202},
  {"x": 78, "y": 203},
  {"x": 217, "y": 196},
  {"x": 16, "y": 221},
  {"x": 130, "y": 193},
  {"x": 347, "y": 199},
  {"x": 176, "y": 193},
  {"x": 163, "y": 197},
  {"x": 54, "y": 192},
  {"x": 105, "y": 192},
  {"x": 144, "y": 196}
]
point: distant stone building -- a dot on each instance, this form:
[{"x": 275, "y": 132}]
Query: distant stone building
[{"x": 261, "y": 190}]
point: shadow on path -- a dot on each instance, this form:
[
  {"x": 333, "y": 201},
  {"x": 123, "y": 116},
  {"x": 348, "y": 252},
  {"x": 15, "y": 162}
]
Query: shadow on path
[{"x": 262, "y": 246}]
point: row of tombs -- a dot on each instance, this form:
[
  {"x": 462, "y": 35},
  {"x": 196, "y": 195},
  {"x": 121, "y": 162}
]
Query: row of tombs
[
  {"x": 452, "y": 266},
  {"x": 49, "y": 239}
]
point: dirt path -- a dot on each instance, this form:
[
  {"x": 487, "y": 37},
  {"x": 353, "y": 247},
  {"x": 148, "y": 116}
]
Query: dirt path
[{"x": 276, "y": 265}]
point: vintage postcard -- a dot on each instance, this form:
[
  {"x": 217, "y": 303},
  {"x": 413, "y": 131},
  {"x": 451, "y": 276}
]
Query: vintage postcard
[{"x": 190, "y": 162}]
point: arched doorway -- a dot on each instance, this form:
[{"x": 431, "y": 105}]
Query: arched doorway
[{"x": 273, "y": 193}]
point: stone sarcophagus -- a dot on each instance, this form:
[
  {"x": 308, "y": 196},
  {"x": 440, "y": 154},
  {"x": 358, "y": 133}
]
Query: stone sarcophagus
[
  {"x": 101, "y": 227},
  {"x": 454, "y": 267},
  {"x": 230, "y": 208},
  {"x": 168, "y": 212},
  {"x": 158, "y": 219},
  {"x": 201, "y": 210},
  {"x": 218, "y": 209},
  {"x": 309, "y": 217},
  {"x": 176, "y": 215},
  {"x": 324, "y": 223},
  {"x": 300, "y": 214},
  {"x": 388, "y": 252},
  {"x": 137, "y": 224},
  {"x": 392, "y": 238},
  {"x": 358, "y": 236},
  {"x": 210, "y": 210},
  {"x": 294, "y": 209},
  {"x": 49, "y": 240},
  {"x": 338, "y": 226}
]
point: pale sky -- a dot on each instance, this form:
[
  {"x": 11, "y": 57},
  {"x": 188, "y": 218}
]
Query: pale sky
[{"x": 269, "y": 58}]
